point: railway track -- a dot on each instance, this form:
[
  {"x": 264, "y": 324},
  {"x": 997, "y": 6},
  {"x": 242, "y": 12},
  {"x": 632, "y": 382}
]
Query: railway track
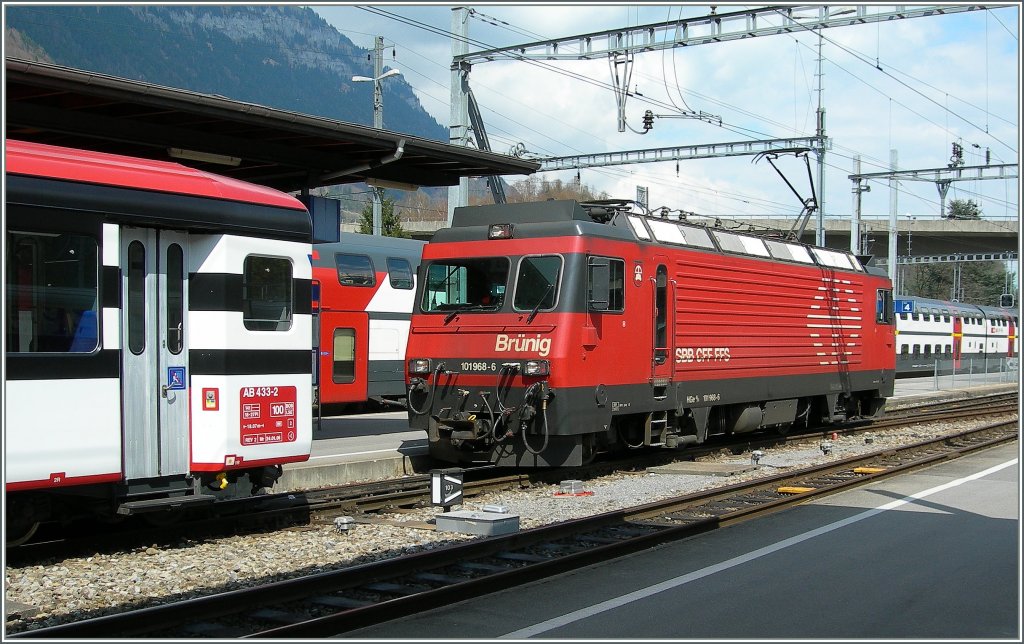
[
  {"x": 282, "y": 510},
  {"x": 340, "y": 601}
]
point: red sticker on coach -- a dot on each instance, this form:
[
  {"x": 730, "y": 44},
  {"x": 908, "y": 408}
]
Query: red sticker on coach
[{"x": 266, "y": 415}]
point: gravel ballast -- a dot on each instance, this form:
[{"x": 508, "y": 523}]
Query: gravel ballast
[{"x": 71, "y": 589}]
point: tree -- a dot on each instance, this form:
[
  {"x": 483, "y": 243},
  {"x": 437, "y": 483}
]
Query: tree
[
  {"x": 963, "y": 209},
  {"x": 390, "y": 223},
  {"x": 980, "y": 282}
]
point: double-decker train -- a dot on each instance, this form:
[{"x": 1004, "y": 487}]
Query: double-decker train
[
  {"x": 936, "y": 335},
  {"x": 158, "y": 336},
  {"x": 366, "y": 286},
  {"x": 545, "y": 333}
]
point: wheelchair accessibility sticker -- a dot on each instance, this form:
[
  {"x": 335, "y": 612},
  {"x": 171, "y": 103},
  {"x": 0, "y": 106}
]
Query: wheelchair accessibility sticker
[{"x": 175, "y": 378}]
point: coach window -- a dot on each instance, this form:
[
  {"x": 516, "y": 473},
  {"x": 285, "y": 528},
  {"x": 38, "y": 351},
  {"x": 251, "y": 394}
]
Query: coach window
[
  {"x": 884, "y": 313},
  {"x": 400, "y": 273},
  {"x": 51, "y": 293},
  {"x": 267, "y": 301},
  {"x": 905, "y": 350},
  {"x": 344, "y": 352},
  {"x": 175, "y": 299},
  {"x": 354, "y": 270},
  {"x": 917, "y": 349},
  {"x": 537, "y": 283},
  {"x": 136, "y": 297}
]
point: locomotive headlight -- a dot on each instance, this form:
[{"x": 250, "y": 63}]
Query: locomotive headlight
[
  {"x": 419, "y": 365},
  {"x": 536, "y": 368},
  {"x": 499, "y": 231}
]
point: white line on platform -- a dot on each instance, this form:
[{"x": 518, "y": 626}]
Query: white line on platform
[{"x": 617, "y": 602}]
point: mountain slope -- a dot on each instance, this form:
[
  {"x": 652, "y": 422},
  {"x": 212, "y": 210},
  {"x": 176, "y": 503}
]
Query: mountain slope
[{"x": 286, "y": 57}]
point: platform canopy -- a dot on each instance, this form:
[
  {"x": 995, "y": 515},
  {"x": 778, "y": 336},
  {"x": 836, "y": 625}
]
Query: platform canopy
[{"x": 277, "y": 148}]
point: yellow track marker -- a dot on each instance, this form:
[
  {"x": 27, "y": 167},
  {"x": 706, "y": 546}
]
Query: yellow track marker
[{"x": 791, "y": 489}]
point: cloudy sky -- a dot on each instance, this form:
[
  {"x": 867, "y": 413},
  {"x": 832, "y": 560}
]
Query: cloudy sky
[{"x": 915, "y": 86}]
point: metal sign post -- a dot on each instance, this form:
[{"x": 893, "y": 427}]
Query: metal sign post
[{"x": 446, "y": 487}]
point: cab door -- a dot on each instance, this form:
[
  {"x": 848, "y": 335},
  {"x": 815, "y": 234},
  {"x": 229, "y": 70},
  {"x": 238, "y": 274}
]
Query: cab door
[
  {"x": 154, "y": 278},
  {"x": 664, "y": 322}
]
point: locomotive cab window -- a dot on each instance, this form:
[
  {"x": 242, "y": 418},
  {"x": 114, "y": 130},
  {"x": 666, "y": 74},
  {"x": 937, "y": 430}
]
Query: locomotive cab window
[
  {"x": 884, "y": 307},
  {"x": 606, "y": 284},
  {"x": 267, "y": 302},
  {"x": 51, "y": 293},
  {"x": 465, "y": 284},
  {"x": 537, "y": 283}
]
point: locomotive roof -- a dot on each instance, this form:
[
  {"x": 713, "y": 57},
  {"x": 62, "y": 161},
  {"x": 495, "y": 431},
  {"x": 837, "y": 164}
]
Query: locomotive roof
[{"x": 610, "y": 219}]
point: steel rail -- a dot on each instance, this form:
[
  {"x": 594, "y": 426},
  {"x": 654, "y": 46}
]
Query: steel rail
[{"x": 362, "y": 595}]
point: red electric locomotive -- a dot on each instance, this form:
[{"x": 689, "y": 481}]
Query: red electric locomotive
[{"x": 545, "y": 333}]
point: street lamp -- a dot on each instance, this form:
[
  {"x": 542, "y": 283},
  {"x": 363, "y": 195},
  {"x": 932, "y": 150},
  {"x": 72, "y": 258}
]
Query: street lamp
[
  {"x": 378, "y": 122},
  {"x": 378, "y": 103}
]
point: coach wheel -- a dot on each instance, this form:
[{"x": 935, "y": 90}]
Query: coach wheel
[{"x": 18, "y": 534}]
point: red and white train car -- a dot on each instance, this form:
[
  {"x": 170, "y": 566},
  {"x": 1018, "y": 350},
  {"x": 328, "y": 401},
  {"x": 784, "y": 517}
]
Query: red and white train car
[
  {"x": 953, "y": 335},
  {"x": 544, "y": 333},
  {"x": 367, "y": 284},
  {"x": 158, "y": 335}
]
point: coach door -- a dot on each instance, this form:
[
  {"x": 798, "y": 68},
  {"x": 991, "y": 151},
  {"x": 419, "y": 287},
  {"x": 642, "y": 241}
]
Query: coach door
[
  {"x": 958, "y": 338},
  {"x": 154, "y": 294}
]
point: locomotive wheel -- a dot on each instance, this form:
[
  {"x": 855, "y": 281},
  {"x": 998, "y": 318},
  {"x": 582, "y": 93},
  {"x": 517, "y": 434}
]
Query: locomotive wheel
[
  {"x": 18, "y": 534},
  {"x": 162, "y": 519}
]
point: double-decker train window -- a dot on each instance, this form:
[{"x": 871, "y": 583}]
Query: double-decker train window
[
  {"x": 400, "y": 273},
  {"x": 51, "y": 293},
  {"x": 344, "y": 352},
  {"x": 354, "y": 270},
  {"x": 267, "y": 300}
]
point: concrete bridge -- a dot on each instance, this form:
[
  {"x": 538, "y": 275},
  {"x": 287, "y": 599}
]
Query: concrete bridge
[{"x": 916, "y": 236}]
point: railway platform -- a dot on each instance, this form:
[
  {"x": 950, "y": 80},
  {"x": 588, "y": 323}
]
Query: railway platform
[{"x": 367, "y": 447}]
